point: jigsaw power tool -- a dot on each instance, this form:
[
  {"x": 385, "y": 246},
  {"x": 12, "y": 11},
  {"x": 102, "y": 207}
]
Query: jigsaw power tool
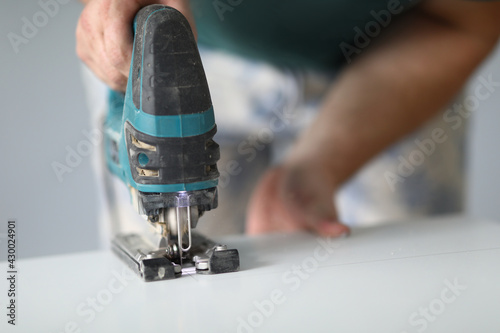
[{"x": 159, "y": 141}]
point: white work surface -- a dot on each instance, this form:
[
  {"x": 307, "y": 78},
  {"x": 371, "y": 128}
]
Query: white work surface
[{"x": 394, "y": 278}]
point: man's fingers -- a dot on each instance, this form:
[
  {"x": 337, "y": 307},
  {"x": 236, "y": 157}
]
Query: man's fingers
[
  {"x": 105, "y": 37},
  {"x": 265, "y": 210},
  {"x": 118, "y": 35},
  {"x": 96, "y": 60},
  {"x": 114, "y": 79},
  {"x": 118, "y": 47},
  {"x": 276, "y": 206},
  {"x": 104, "y": 40},
  {"x": 308, "y": 198},
  {"x": 85, "y": 37},
  {"x": 330, "y": 229},
  {"x": 260, "y": 217}
]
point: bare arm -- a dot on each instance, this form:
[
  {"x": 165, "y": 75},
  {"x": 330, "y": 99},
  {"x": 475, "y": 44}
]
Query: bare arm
[
  {"x": 393, "y": 87},
  {"x": 405, "y": 79}
]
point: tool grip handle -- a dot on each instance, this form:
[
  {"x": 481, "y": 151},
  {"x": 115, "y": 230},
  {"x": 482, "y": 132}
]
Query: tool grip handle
[
  {"x": 166, "y": 71},
  {"x": 166, "y": 74},
  {"x": 159, "y": 136}
]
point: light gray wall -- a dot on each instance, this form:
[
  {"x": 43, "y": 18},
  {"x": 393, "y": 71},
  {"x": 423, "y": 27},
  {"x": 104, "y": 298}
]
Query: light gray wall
[
  {"x": 44, "y": 112},
  {"x": 484, "y": 143}
]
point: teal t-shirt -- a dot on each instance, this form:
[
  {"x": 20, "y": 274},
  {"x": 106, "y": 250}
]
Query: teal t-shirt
[{"x": 314, "y": 33}]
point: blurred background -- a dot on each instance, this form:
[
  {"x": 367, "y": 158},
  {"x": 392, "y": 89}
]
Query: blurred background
[{"x": 45, "y": 117}]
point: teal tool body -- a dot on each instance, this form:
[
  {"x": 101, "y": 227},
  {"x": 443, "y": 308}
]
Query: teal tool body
[{"x": 159, "y": 135}]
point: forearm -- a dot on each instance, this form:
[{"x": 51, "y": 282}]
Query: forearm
[{"x": 409, "y": 75}]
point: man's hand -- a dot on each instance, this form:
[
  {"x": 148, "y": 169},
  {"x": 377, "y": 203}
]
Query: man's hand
[
  {"x": 104, "y": 36},
  {"x": 293, "y": 198}
]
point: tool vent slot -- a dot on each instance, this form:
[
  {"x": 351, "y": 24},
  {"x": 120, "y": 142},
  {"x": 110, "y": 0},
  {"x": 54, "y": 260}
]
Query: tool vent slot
[
  {"x": 147, "y": 173},
  {"x": 141, "y": 144}
]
